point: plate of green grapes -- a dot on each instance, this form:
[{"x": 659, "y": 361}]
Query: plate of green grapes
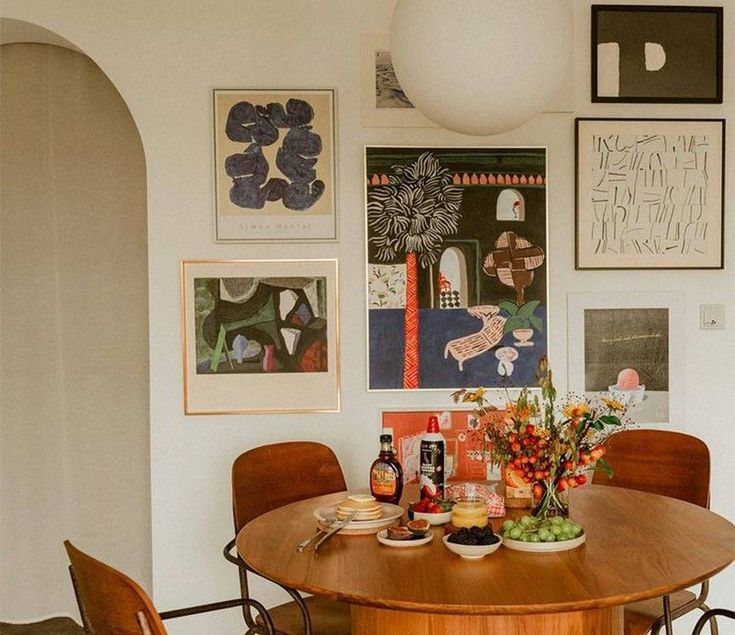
[{"x": 542, "y": 535}]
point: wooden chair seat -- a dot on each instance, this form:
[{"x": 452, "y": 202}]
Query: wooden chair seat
[
  {"x": 327, "y": 616},
  {"x": 283, "y": 473},
  {"x": 111, "y": 603},
  {"x": 669, "y": 464},
  {"x": 640, "y": 615}
]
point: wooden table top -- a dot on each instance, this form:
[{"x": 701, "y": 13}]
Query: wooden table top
[{"x": 638, "y": 546}]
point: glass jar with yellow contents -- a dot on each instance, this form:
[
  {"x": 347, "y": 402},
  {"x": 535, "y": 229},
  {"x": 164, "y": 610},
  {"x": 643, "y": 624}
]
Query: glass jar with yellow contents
[{"x": 470, "y": 512}]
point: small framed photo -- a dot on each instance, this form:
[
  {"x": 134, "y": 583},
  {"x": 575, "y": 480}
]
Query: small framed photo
[
  {"x": 650, "y": 193},
  {"x": 274, "y": 165},
  {"x": 383, "y": 102},
  {"x": 260, "y": 336},
  {"x": 630, "y": 346},
  {"x": 657, "y": 54}
]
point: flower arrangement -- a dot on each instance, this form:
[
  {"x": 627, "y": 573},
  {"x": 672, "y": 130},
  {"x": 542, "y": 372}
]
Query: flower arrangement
[{"x": 547, "y": 445}]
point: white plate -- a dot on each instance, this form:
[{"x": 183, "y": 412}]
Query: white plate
[
  {"x": 391, "y": 513},
  {"x": 383, "y": 539},
  {"x": 434, "y": 519},
  {"x": 545, "y": 547},
  {"x": 472, "y": 552}
]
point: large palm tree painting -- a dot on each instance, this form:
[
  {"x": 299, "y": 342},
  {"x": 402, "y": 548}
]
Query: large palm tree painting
[
  {"x": 435, "y": 219},
  {"x": 410, "y": 216}
]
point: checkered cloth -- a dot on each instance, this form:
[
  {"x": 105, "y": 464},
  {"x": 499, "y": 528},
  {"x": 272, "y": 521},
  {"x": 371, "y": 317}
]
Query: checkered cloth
[{"x": 495, "y": 502}]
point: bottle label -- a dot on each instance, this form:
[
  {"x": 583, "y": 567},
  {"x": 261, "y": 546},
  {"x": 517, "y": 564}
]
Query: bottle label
[
  {"x": 432, "y": 469},
  {"x": 383, "y": 481}
]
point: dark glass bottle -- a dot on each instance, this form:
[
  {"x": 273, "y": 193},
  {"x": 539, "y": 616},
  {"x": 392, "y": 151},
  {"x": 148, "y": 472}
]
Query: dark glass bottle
[{"x": 386, "y": 473}]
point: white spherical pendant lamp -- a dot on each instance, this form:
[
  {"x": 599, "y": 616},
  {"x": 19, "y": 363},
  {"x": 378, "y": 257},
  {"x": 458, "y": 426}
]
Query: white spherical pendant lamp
[{"x": 481, "y": 66}]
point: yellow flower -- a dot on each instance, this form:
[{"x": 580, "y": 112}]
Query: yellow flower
[
  {"x": 613, "y": 404},
  {"x": 575, "y": 410},
  {"x": 475, "y": 395}
]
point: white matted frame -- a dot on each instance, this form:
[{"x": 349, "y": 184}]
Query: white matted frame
[
  {"x": 375, "y": 112},
  {"x": 375, "y": 65},
  {"x": 651, "y": 408},
  {"x": 274, "y": 165},
  {"x": 650, "y": 193},
  {"x": 284, "y": 314}
]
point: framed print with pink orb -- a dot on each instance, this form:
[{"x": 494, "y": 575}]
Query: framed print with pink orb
[{"x": 632, "y": 347}]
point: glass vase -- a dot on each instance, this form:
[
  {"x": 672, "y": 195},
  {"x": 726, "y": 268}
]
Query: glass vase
[{"x": 549, "y": 500}]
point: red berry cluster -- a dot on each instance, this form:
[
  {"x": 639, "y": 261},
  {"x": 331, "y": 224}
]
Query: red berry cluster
[{"x": 529, "y": 453}]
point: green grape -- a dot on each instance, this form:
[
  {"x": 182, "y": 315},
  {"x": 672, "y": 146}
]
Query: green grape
[
  {"x": 515, "y": 533},
  {"x": 565, "y": 535},
  {"x": 557, "y": 520},
  {"x": 534, "y": 538},
  {"x": 526, "y": 521},
  {"x": 544, "y": 533},
  {"x": 508, "y": 525},
  {"x": 556, "y": 529},
  {"x": 576, "y": 529},
  {"x": 550, "y": 538},
  {"x": 525, "y": 538}
]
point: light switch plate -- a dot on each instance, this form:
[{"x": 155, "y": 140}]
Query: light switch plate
[{"x": 711, "y": 316}]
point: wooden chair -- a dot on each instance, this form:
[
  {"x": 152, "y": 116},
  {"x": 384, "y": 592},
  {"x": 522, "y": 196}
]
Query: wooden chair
[
  {"x": 670, "y": 464},
  {"x": 271, "y": 476},
  {"x": 111, "y": 603}
]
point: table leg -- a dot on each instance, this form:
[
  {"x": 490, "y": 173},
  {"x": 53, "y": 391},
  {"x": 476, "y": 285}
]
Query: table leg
[{"x": 368, "y": 620}]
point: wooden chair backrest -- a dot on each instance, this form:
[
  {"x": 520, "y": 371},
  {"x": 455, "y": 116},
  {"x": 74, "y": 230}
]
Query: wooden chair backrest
[
  {"x": 111, "y": 602},
  {"x": 274, "y": 475},
  {"x": 659, "y": 462}
]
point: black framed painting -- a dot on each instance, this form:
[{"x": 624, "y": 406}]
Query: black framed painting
[
  {"x": 656, "y": 54},
  {"x": 650, "y": 193}
]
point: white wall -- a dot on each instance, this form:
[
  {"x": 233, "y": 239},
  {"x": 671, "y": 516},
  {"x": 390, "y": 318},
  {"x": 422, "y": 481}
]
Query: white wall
[{"x": 165, "y": 57}]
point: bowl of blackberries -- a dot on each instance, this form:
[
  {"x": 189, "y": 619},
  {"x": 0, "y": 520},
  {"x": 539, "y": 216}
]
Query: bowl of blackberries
[{"x": 473, "y": 543}]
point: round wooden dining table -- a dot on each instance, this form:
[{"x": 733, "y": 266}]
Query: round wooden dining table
[{"x": 638, "y": 546}]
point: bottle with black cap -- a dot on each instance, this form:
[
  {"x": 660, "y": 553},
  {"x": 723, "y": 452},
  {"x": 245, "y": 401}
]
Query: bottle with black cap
[{"x": 386, "y": 473}]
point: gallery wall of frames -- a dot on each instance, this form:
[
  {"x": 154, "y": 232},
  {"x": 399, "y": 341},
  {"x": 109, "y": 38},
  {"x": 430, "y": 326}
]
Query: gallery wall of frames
[{"x": 292, "y": 297}]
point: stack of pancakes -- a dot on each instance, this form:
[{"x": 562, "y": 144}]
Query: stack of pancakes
[{"x": 367, "y": 507}]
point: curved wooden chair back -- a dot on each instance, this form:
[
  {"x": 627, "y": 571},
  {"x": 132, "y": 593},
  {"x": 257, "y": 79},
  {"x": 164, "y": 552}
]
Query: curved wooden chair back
[
  {"x": 274, "y": 475},
  {"x": 659, "y": 462},
  {"x": 110, "y": 602}
]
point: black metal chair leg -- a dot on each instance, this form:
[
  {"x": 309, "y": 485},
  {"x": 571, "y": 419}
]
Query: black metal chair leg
[{"x": 709, "y": 616}]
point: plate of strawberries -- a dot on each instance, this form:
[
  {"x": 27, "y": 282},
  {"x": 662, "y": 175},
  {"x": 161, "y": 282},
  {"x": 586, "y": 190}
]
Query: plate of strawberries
[{"x": 437, "y": 511}]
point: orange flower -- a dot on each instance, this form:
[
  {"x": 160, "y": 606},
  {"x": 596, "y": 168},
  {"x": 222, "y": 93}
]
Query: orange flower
[
  {"x": 519, "y": 413},
  {"x": 575, "y": 410}
]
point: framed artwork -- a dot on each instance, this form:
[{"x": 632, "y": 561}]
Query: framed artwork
[
  {"x": 456, "y": 266},
  {"x": 260, "y": 336},
  {"x": 465, "y": 456},
  {"x": 274, "y": 165},
  {"x": 630, "y": 345},
  {"x": 650, "y": 193},
  {"x": 384, "y": 104},
  {"x": 655, "y": 53}
]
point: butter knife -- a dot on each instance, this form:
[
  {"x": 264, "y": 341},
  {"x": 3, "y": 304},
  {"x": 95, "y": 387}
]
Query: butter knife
[
  {"x": 304, "y": 544},
  {"x": 334, "y": 529}
]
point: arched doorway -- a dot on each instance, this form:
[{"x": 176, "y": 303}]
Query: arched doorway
[
  {"x": 452, "y": 279},
  {"x": 74, "y": 433},
  {"x": 511, "y": 205}
]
